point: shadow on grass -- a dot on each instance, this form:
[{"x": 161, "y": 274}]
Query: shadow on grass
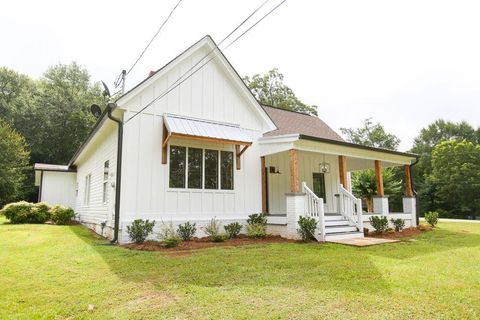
[
  {"x": 299, "y": 266},
  {"x": 436, "y": 241}
]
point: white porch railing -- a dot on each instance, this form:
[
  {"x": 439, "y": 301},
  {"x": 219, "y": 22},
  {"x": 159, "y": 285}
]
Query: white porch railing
[
  {"x": 350, "y": 207},
  {"x": 314, "y": 208}
]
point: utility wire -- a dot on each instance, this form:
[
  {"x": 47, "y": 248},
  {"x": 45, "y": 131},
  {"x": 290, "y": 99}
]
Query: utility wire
[
  {"x": 154, "y": 36},
  {"x": 179, "y": 81}
]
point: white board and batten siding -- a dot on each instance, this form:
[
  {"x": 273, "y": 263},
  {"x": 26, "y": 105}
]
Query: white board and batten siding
[
  {"x": 308, "y": 163},
  {"x": 103, "y": 148},
  {"x": 212, "y": 95},
  {"x": 59, "y": 188}
]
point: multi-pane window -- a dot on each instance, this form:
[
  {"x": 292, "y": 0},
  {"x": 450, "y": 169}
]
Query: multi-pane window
[
  {"x": 178, "y": 159},
  {"x": 319, "y": 185},
  {"x": 86, "y": 195},
  {"x": 211, "y": 169},
  {"x": 106, "y": 172},
  {"x": 196, "y": 168},
  {"x": 195, "y": 158},
  {"x": 226, "y": 170}
]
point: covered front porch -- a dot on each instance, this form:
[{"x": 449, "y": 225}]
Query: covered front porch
[{"x": 304, "y": 176}]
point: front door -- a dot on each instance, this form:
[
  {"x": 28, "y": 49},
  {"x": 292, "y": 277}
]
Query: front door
[{"x": 319, "y": 186}]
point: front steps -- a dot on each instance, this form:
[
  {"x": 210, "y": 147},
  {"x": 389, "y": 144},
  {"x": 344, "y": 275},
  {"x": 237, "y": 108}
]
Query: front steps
[{"x": 339, "y": 228}]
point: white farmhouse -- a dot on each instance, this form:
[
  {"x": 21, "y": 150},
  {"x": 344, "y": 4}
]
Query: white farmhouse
[{"x": 179, "y": 148}]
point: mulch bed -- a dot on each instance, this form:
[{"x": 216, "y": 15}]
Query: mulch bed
[
  {"x": 202, "y": 243},
  {"x": 405, "y": 233}
]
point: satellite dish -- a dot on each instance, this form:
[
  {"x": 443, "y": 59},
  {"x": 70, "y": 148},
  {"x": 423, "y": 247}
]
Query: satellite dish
[
  {"x": 96, "y": 111},
  {"x": 106, "y": 92}
]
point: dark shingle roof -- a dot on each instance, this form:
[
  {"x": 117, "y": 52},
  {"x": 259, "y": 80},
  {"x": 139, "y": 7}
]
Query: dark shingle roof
[{"x": 289, "y": 122}]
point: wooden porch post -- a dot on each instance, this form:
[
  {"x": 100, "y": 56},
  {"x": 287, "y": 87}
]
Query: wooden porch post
[
  {"x": 408, "y": 182},
  {"x": 294, "y": 185},
  {"x": 264, "y": 185},
  {"x": 342, "y": 166},
  {"x": 379, "y": 178}
]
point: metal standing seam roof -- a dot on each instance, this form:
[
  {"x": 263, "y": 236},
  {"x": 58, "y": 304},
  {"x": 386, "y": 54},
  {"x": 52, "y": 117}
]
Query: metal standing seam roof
[{"x": 205, "y": 128}]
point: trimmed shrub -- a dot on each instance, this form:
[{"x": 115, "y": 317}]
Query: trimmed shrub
[
  {"x": 398, "y": 224},
  {"x": 233, "y": 229},
  {"x": 187, "y": 231},
  {"x": 140, "y": 229},
  {"x": 42, "y": 211},
  {"x": 169, "y": 236},
  {"x": 61, "y": 215},
  {"x": 220, "y": 237},
  {"x": 257, "y": 218},
  {"x": 432, "y": 218},
  {"x": 257, "y": 226},
  {"x": 380, "y": 224},
  {"x": 308, "y": 227},
  {"x": 22, "y": 212}
]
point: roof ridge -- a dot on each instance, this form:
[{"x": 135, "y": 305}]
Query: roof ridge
[{"x": 283, "y": 109}]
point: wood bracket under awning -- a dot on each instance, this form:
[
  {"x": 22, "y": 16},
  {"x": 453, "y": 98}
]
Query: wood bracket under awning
[{"x": 238, "y": 154}]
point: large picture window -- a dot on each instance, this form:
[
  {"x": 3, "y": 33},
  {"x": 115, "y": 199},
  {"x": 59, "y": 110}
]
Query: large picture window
[
  {"x": 178, "y": 160},
  {"x": 195, "y": 168}
]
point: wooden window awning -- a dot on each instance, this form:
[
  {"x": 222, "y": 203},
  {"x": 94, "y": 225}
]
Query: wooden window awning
[{"x": 176, "y": 126}]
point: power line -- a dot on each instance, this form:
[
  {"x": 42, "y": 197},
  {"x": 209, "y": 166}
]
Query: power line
[
  {"x": 177, "y": 83},
  {"x": 124, "y": 73}
]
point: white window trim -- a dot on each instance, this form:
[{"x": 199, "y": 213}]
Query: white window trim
[
  {"x": 203, "y": 190},
  {"x": 87, "y": 189},
  {"x": 105, "y": 193}
]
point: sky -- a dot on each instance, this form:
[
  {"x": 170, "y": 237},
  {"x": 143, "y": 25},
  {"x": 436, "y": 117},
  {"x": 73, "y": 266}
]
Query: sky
[{"x": 403, "y": 63}]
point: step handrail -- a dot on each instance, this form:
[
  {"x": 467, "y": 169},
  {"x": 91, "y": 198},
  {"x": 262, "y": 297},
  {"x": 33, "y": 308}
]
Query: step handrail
[
  {"x": 314, "y": 208},
  {"x": 350, "y": 207}
]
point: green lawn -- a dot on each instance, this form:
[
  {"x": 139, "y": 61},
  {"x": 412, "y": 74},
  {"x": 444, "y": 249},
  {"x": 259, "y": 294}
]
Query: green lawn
[{"x": 55, "y": 272}]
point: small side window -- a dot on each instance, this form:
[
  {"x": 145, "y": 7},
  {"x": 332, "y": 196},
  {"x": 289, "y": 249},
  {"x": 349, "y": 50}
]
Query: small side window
[{"x": 106, "y": 174}]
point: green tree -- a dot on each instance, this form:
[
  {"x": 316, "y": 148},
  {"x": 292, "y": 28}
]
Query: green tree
[
  {"x": 363, "y": 182},
  {"x": 371, "y": 135},
  {"x": 364, "y": 185},
  {"x": 456, "y": 175},
  {"x": 269, "y": 89},
  {"x": 424, "y": 144},
  {"x": 13, "y": 164}
]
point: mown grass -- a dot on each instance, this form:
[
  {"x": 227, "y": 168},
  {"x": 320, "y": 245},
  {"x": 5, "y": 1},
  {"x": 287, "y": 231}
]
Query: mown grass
[{"x": 55, "y": 272}]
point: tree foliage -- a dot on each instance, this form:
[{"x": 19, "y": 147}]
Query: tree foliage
[
  {"x": 269, "y": 89},
  {"x": 364, "y": 185},
  {"x": 456, "y": 175},
  {"x": 371, "y": 135},
  {"x": 424, "y": 143},
  {"x": 13, "y": 164}
]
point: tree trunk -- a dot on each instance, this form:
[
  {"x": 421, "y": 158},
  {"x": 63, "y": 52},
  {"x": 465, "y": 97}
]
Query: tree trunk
[{"x": 369, "y": 205}]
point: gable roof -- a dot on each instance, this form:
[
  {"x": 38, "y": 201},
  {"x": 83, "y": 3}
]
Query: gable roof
[
  {"x": 214, "y": 54},
  {"x": 292, "y": 122}
]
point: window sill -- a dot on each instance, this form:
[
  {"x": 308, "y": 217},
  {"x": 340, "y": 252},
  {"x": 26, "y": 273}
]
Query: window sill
[{"x": 184, "y": 190}]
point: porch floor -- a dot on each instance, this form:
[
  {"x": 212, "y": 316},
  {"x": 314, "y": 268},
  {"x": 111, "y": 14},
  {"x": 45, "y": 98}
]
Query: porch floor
[{"x": 363, "y": 242}]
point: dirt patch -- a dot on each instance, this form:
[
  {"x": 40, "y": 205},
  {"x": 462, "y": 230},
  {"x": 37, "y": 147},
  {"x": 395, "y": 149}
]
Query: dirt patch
[
  {"x": 405, "y": 233},
  {"x": 202, "y": 243}
]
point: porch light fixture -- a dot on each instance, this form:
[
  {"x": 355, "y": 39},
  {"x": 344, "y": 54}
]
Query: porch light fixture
[{"x": 324, "y": 166}]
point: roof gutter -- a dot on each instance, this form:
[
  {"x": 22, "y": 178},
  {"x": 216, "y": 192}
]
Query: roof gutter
[{"x": 118, "y": 182}]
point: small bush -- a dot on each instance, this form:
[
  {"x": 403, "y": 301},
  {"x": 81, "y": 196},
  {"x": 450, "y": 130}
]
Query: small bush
[
  {"x": 42, "y": 211},
  {"x": 256, "y": 231},
  {"x": 380, "y": 224},
  {"x": 169, "y": 236},
  {"x": 61, "y": 215},
  {"x": 308, "y": 227},
  {"x": 257, "y": 218},
  {"x": 220, "y": 237},
  {"x": 187, "y": 231},
  {"x": 398, "y": 224},
  {"x": 233, "y": 229},
  {"x": 432, "y": 218},
  {"x": 212, "y": 228},
  {"x": 23, "y": 212},
  {"x": 140, "y": 229}
]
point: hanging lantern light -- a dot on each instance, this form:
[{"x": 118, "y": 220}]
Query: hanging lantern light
[{"x": 324, "y": 166}]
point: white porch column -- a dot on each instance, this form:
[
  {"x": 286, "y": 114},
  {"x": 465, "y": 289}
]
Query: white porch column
[
  {"x": 410, "y": 206},
  {"x": 295, "y": 209},
  {"x": 380, "y": 205}
]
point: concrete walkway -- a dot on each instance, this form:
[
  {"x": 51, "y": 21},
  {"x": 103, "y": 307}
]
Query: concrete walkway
[{"x": 364, "y": 242}]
